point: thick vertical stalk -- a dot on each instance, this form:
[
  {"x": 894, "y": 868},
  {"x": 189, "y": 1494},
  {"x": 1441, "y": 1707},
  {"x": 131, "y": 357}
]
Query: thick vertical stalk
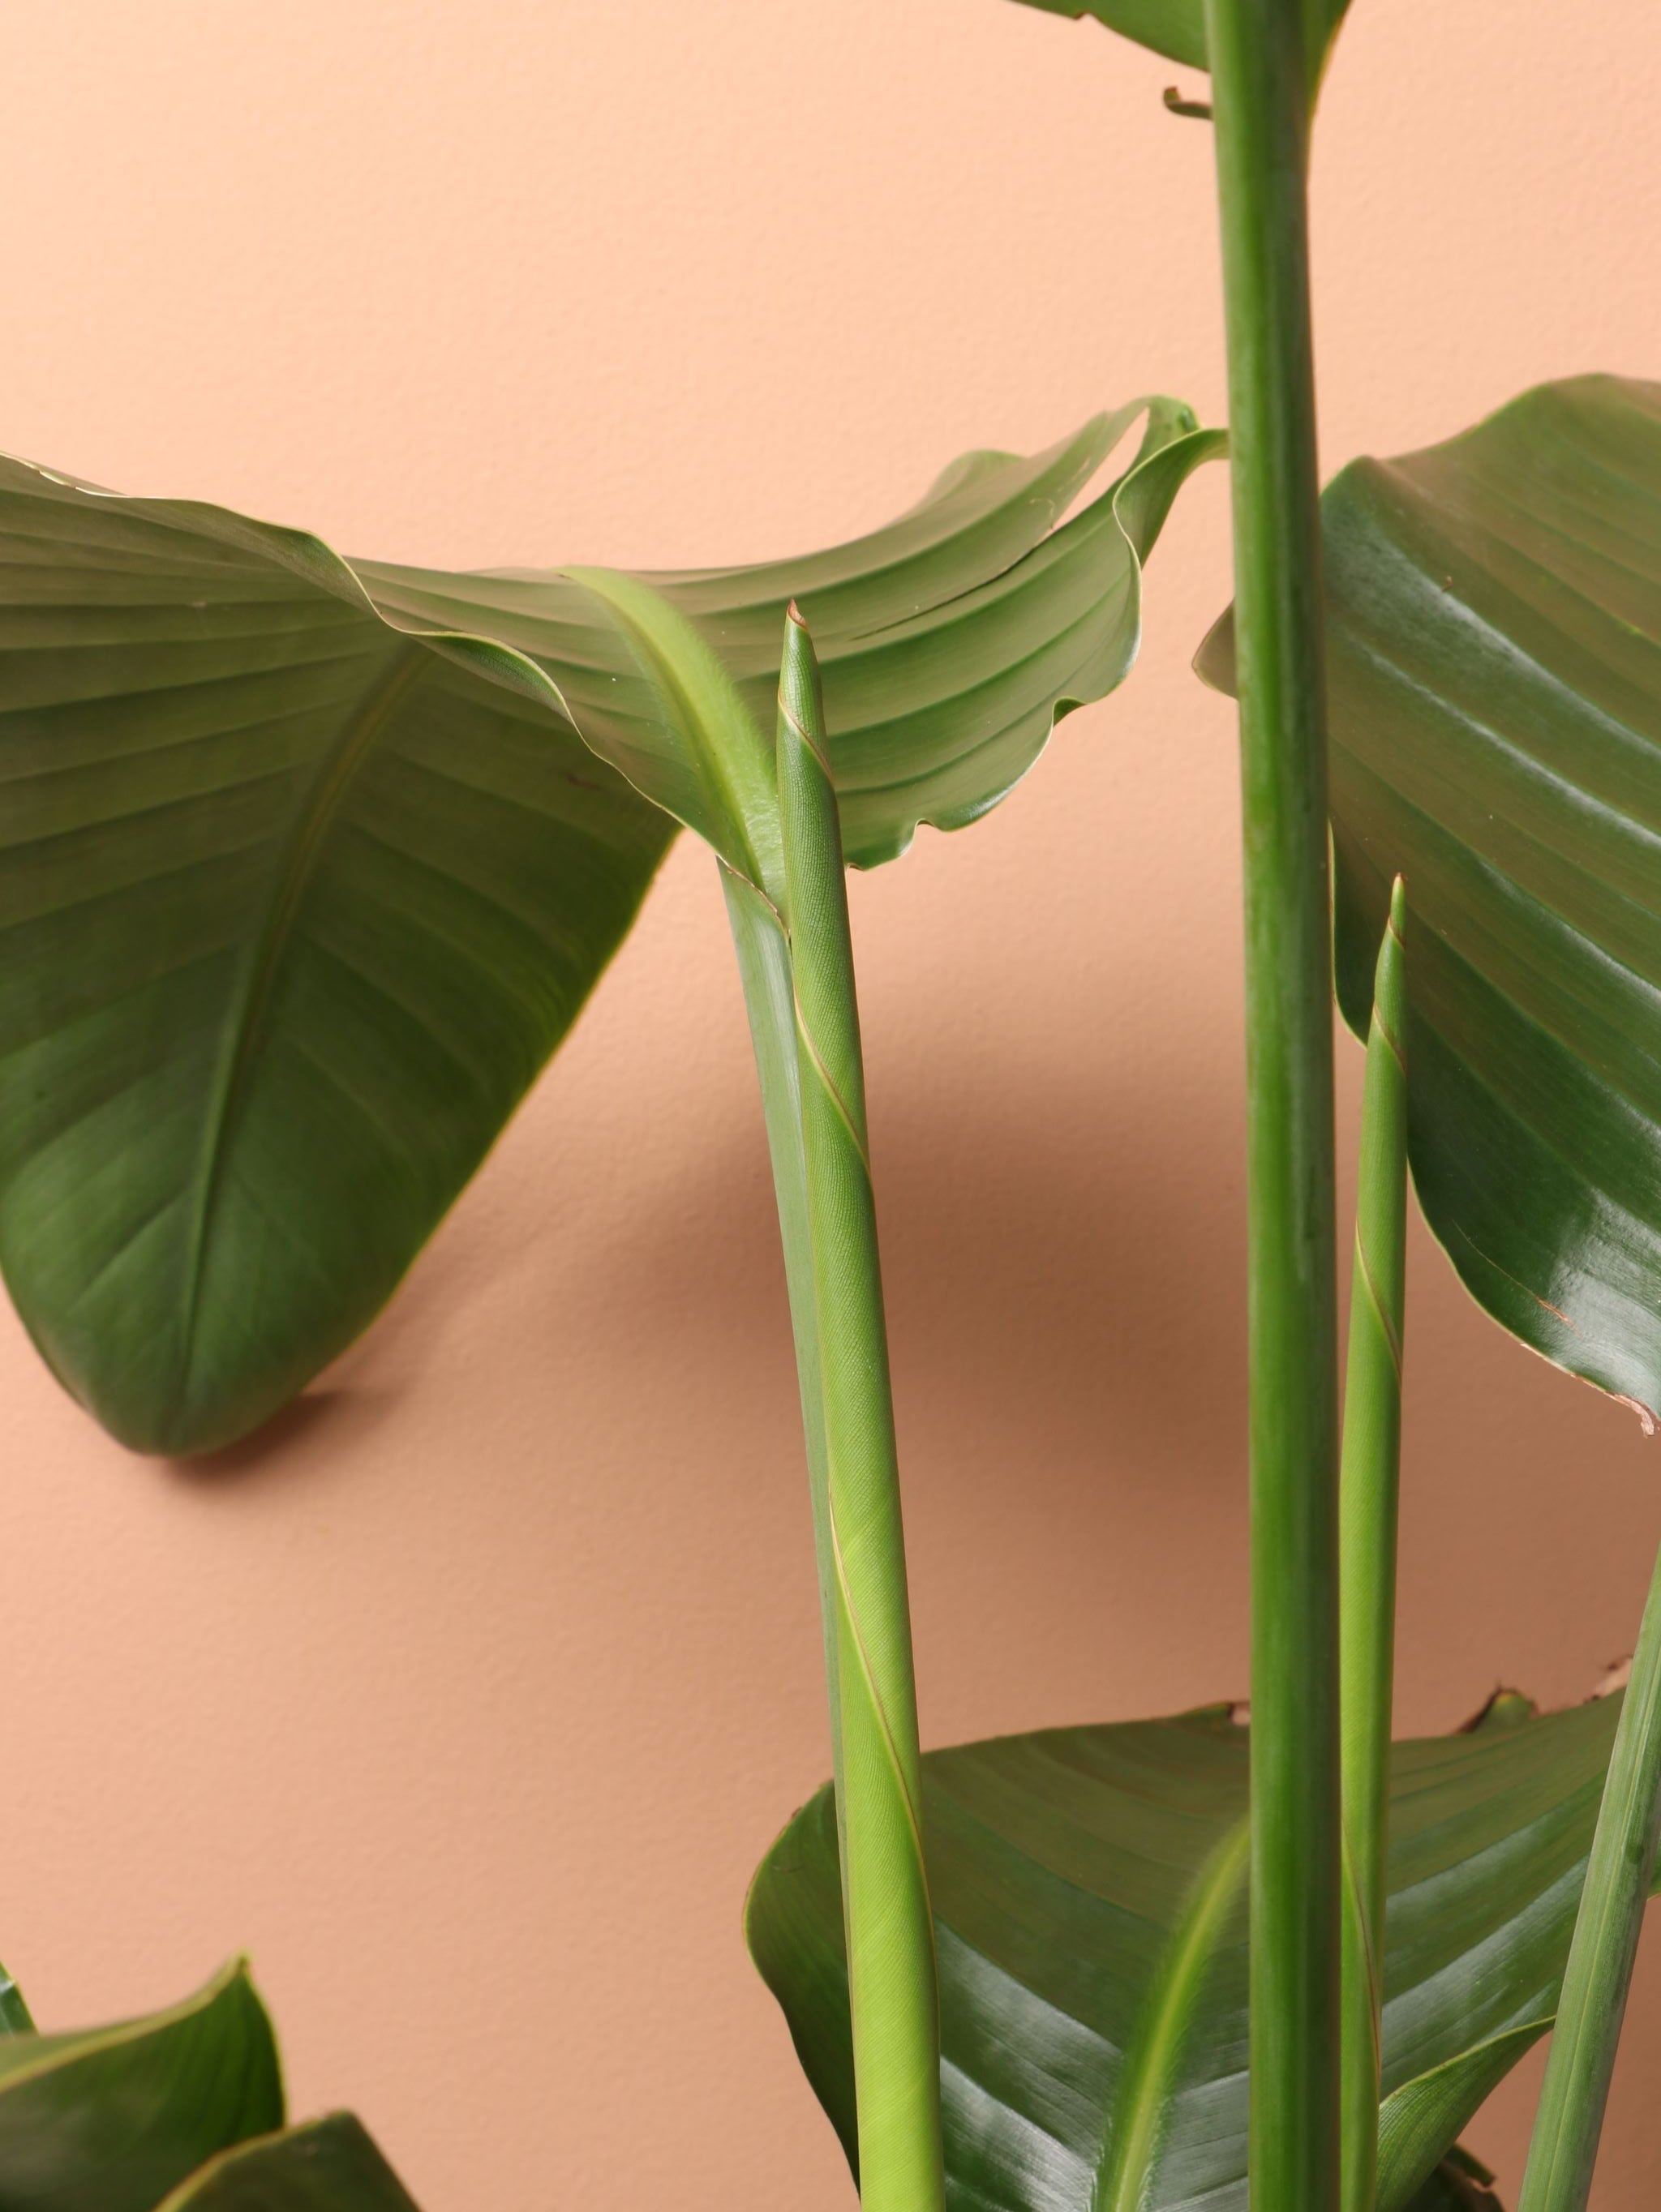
[
  {"x": 892, "y": 1984},
  {"x": 1259, "y": 97},
  {"x": 1569, "y": 2119},
  {"x": 1368, "y": 1487}
]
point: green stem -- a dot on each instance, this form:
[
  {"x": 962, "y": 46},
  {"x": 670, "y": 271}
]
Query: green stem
[
  {"x": 763, "y": 955},
  {"x": 1569, "y": 2119},
  {"x": 1367, "y": 1497},
  {"x": 1259, "y": 94},
  {"x": 804, "y": 1025}
]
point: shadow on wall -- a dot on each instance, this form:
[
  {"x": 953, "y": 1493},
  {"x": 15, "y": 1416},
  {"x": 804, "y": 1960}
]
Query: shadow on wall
[
  {"x": 1064, "y": 1266},
  {"x": 1049, "y": 1294}
]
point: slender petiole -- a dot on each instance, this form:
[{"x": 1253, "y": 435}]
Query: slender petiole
[
  {"x": 1368, "y": 1488},
  {"x": 1569, "y": 2119},
  {"x": 1260, "y": 100}
]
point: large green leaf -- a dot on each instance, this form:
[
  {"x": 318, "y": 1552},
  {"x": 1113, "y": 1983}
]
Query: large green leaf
[
  {"x": 950, "y": 642},
  {"x": 111, "y": 2119},
  {"x": 1089, "y": 1897},
  {"x": 309, "y": 865},
  {"x": 1494, "y": 671},
  {"x": 330, "y": 2164},
  {"x": 291, "y": 912},
  {"x": 1176, "y": 28}
]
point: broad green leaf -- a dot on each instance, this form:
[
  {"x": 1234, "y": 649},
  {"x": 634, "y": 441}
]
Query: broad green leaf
[
  {"x": 110, "y": 2120},
  {"x": 1176, "y": 28},
  {"x": 1495, "y": 673},
  {"x": 292, "y": 910},
  {"x": 1089, "y": 1898},
  {"x": 307, "y": 866},
  {"x": 950, "y": 643},
  {"x": 327, "y": 2166}
]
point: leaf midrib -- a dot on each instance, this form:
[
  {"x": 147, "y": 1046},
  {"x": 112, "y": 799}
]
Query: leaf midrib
[
  {"x": 1131, "y": 2141},
  {"x": 246, "y": 1032}
]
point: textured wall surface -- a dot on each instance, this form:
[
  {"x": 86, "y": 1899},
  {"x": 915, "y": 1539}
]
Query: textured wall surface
[{"x": 467, "y": 1697}]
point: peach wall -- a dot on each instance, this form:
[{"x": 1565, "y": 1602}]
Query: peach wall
[{"x": 467, "y": 1698}]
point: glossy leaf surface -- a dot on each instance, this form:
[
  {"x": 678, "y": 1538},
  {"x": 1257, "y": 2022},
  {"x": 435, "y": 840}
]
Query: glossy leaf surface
[
  {"x": 307, "y": 866},
  {"x": 111, "y": 2119},
  {"x": 327, "y": 2166},
  {"x": 1176, "y": 28},
  {"x": 1088, "y": 1887},
  {"x": 1494, "y": 671}
]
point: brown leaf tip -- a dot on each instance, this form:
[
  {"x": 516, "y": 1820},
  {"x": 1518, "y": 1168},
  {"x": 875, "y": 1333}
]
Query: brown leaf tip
[
  {"x": 1505, "y": 1708},
  {"x": 792, "y": 613},
  {"x": 1646, "y": 1417}
]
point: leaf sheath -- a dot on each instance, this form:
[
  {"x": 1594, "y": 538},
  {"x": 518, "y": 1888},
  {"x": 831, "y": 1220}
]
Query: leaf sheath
[
  {"x": 893, "y": 1976},
  {"x": 763, "y": 957},
  {"x": 1367, "y": 1494},
  {"x": 1259, "y": 93}
]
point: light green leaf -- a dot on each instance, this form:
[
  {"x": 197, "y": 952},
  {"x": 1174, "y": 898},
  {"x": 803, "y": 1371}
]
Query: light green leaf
[
  {"x": 309, "y": 865},
  {"x": 1418, "y": 2120},
  {"x": 1495, "y": 673},
  {"x": 1176, "y": 28},
  {"x": 111, "y": 2119},
  {"x": 1090, "y": 1915},
  {"x": 950, "y": 642},
  {"x": 328, "y": 2166}
]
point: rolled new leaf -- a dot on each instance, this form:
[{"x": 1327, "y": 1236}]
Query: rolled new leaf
[
  {"x": 1494, "y": 695},
  {"x": 764, "y": 958},
  {"x": 1569, "y": 2118},
  {"x": 893, "y": 1999},
  {"x": 1368, "y": 1490}
]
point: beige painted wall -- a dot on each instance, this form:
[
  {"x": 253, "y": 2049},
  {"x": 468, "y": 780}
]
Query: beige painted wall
[{"x": 467, "y": 1698}]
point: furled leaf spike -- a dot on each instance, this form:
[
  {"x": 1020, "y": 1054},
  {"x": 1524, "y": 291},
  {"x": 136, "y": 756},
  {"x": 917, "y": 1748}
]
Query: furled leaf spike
[{"x": 892, "y": 1970}]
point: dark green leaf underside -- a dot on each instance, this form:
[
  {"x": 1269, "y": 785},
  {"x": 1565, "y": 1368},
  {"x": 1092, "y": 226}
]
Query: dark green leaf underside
[
  {"x": 1091, "y": 1919},
  {"x": 1176, "y": 28},
  {"x": 1495, "y": 657}
]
